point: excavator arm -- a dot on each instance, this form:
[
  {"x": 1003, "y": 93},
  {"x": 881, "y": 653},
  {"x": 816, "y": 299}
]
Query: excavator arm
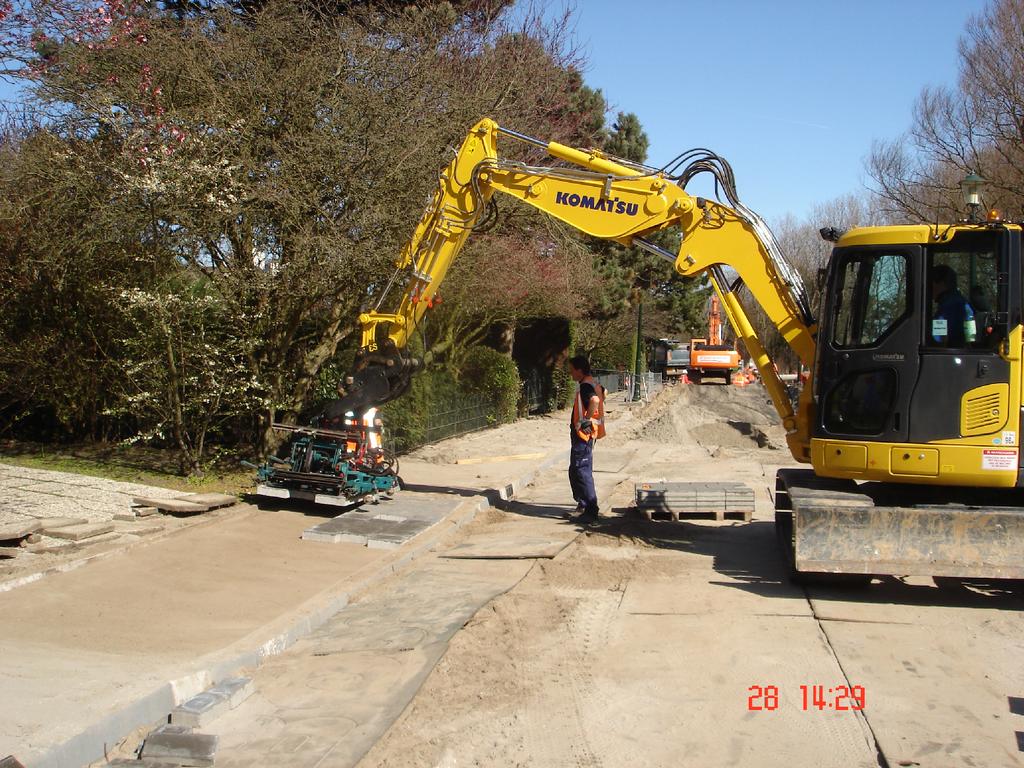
[{"x": 604, "y": 197}]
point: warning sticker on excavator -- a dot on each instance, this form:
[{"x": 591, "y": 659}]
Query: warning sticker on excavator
[{"x": 993, "y": 458}]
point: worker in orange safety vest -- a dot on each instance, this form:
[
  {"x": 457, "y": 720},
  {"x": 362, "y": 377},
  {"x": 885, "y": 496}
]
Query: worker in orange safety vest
[{"x": 586, "y": 426}]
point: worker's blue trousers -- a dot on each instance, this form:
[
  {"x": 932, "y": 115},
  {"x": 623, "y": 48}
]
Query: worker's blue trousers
[{"x": 581, "y": 473}]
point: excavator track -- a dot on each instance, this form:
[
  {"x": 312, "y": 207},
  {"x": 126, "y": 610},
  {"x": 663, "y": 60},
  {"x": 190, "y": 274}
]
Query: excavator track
[{"x": 831, "y": 526}]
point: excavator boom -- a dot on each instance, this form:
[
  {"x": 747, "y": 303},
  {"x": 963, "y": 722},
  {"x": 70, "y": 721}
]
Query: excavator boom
[{"x": 604, "y": 197}]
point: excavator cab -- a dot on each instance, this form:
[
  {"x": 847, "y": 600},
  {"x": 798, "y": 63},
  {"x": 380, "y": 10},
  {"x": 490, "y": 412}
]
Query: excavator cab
[
  {"x": 917, "y": 382},
  {"x": 918, "y": 379}
]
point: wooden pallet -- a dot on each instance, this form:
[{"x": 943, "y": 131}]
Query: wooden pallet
[{"x": 660, "y": 500}]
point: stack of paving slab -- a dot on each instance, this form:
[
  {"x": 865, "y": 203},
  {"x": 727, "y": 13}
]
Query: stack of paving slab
[
  {"x": 675, "y": 500},
  {"x": 30, "y": 532},
  {"x": 188, "y": 504}
]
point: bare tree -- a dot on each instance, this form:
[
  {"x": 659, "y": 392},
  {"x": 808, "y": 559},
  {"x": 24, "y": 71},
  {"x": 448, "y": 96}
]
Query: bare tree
[
  {"x": 808, "y": 252},
  {"x": 976, "y": 127}
]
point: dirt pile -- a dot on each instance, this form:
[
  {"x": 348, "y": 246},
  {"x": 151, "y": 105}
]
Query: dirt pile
[{"x": 716, "y": 417}]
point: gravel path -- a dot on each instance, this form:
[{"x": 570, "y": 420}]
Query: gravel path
[{"x": 27, "y": 494}]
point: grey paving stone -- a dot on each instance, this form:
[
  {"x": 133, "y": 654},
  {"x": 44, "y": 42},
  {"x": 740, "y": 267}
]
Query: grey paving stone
[
  {"x": 359, "y": 529},
  {"x": 211, "y": 500},
  {"x": 61, "y": 546},
  {"x": 60, "y": 522},
  {"x": 236, "y": 689},
  {"x": 171, "y": 505},
  {"x": 179, "y": 745},
  {"x": 133, "y": 514},
  {"x": 79, "y": 532},
  {"x": 200, "y": 710},
  {"x": 19, "y": 530}
]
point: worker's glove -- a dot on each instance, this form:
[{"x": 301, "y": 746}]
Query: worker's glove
[{"x": 586, "y": 426}]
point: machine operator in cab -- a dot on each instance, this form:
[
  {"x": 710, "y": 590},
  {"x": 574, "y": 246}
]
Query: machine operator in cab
[
  {"x": 953, "y": 321},
  {"x": 585, "y": 427}
]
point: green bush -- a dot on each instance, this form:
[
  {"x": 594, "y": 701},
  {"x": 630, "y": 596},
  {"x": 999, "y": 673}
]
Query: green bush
[
  {"x": 406, "y": 419},
  {"x": 488, "y": 372}
]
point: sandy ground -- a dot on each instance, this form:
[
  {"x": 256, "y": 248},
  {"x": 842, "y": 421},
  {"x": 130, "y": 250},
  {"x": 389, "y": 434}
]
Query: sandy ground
[
  {"x": 522, "y": 639},
  {"x": 651, "y": 644}
]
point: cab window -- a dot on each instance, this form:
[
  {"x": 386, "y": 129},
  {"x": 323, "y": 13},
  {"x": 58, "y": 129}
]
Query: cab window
[
  {"x": 872, "y": 297},
  {"x": 962, "y": 293}
]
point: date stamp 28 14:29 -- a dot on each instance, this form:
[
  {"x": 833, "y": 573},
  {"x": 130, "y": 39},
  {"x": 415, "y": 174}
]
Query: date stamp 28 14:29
[{"x": 839, "y": 698}]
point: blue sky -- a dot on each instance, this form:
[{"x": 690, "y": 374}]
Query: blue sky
[{"x": 792, "y": 92}]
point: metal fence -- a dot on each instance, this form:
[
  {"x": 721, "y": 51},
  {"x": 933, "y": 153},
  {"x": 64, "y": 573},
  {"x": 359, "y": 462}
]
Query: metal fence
[
  {"x": 620, "y": 381},
  {"x": 535, "y": 392},
  {"x": 459, "y": 417},
  {"x": 456, "y": 415},
  {"x": 462, "y": 414}
]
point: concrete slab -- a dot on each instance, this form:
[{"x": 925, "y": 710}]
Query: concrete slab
[
  {"x": 386, "y": 525},
  {"x": 79, "y": 532},
  {"x": 59, "y": 546},
  {"x": 140, "y": 529},
  {"x": 200, "y": 710},
  {"x": 171, "y": 505},
  {"x": 136, "y": 512},
  {"x": 344, "y": 685},
  {"x": 958, "y": 662},
  {"x": 211, "y": 500},
  {"x": 364, "y": 530},
  {"x": 506, "y": 548},
  {"x": 203, "y": 708},
  {"x": 18, "y": 530},
  {"x": 60, "y": 522},
  {"x": 131, "y": 623},
  {"x": 235, "y": 689},
  {"x": 181, "y": 745}
]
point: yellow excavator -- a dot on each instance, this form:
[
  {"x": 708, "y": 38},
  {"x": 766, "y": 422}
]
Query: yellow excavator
[{"x": 911, "y": 419}]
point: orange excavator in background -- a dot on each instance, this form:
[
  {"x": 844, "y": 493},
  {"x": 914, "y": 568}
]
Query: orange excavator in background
[{"x": 710, "y": 358}]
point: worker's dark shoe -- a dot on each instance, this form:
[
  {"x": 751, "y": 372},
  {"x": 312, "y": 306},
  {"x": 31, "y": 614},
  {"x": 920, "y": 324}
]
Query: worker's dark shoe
[
  {"x": 580, "y": 509},
  {"x": 587, "y": 518}
]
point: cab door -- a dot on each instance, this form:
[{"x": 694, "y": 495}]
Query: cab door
[
  {"x": 868, "y": 355},
  {"x": 963, "y": 388}
]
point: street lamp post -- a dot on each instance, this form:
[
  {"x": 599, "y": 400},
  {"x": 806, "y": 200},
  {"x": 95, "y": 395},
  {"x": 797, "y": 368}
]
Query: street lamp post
[
  {"x": 971, "y": 189},
  {"x": 638, "y": 363}
]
